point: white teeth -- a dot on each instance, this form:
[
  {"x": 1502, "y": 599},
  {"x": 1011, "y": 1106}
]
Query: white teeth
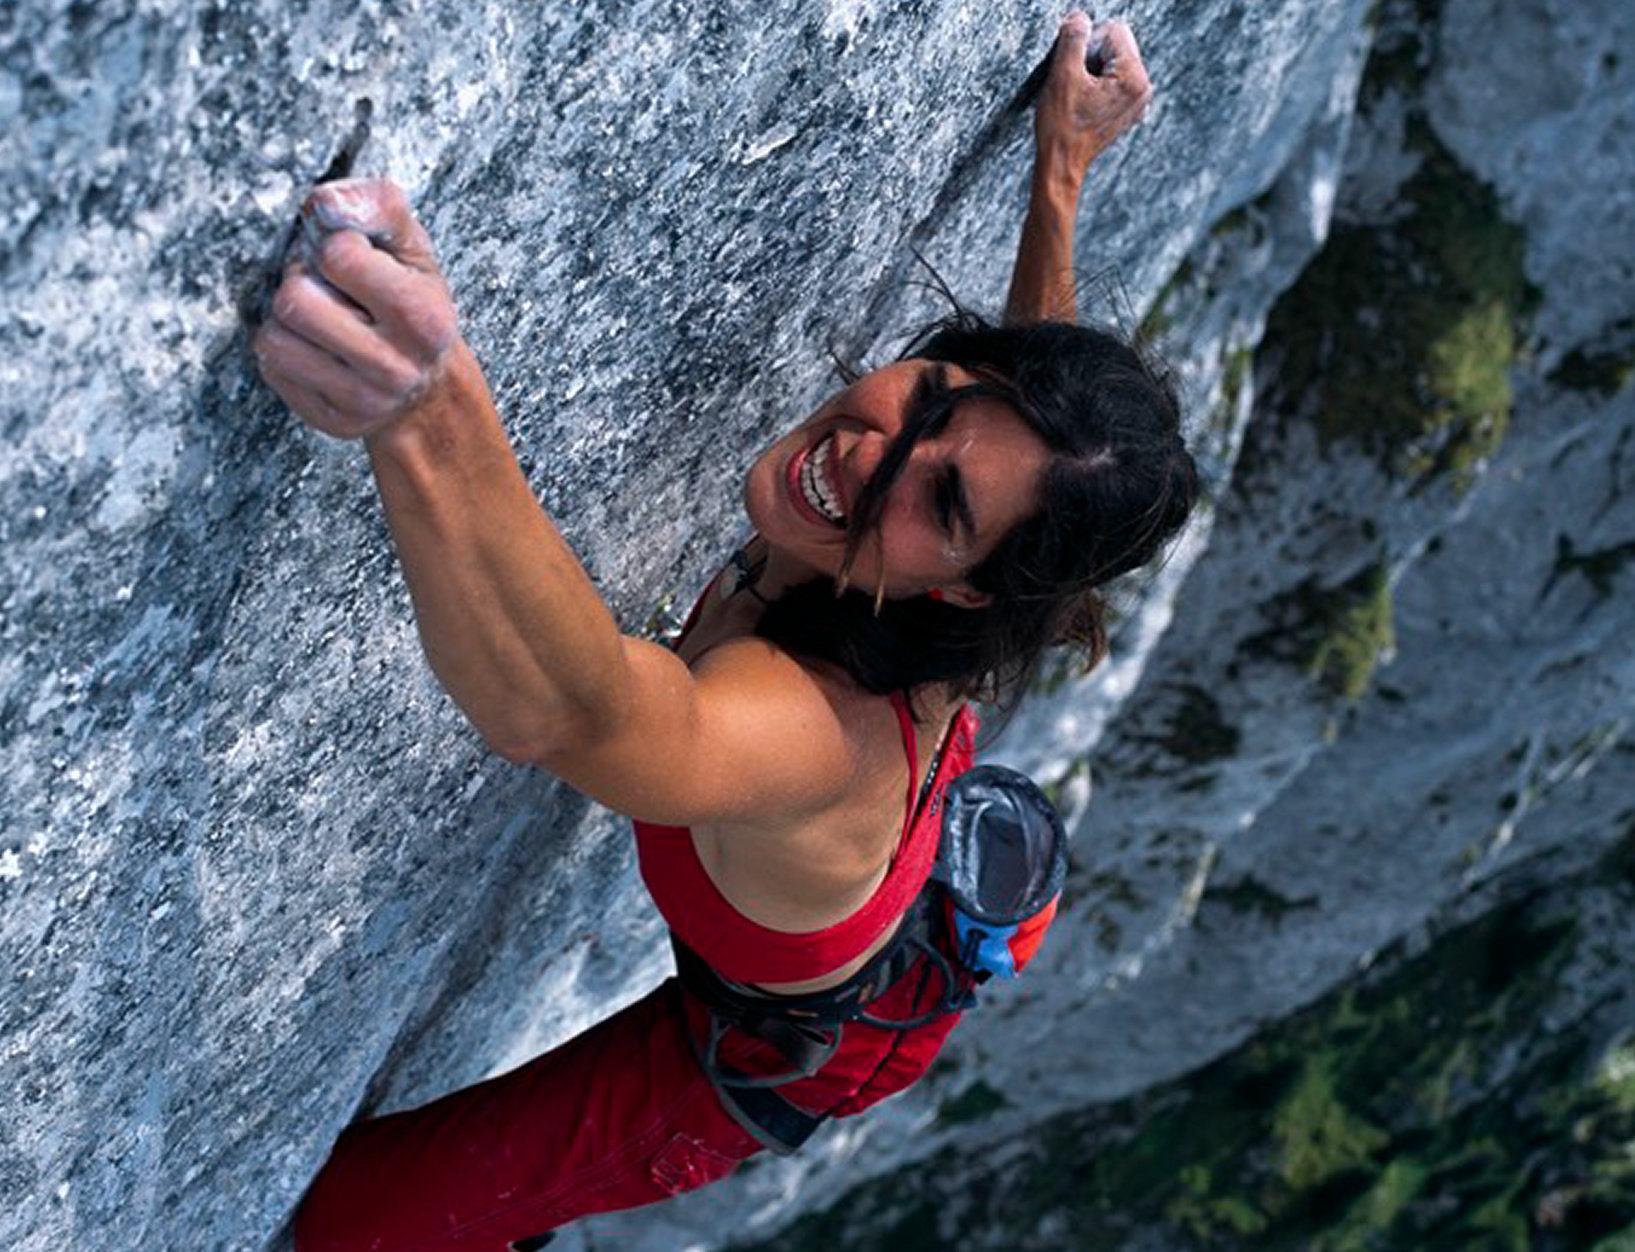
[{"x": 816, "y": 485}]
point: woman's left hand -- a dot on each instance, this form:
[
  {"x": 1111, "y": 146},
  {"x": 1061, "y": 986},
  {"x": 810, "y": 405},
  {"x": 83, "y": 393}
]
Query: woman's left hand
[
  {"x": 362, "y": 328},
  {"x": 1080, "y": 114}
]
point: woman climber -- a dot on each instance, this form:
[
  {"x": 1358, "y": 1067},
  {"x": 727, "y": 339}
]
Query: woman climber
[{"x": 920, "y": 541}]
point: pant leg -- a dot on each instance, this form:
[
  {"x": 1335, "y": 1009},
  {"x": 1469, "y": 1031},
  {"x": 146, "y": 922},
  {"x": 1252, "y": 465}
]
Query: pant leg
[{"x": 618, "y": 1117}]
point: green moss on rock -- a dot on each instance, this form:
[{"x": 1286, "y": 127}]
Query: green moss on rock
[
  {"x": 1355, "y": 632},
  {"x": 1058, "y": 790},
  {"x": 1318, "y": 1137},
  {"x": 977, "y": 1101},
  {"x": 1337, "y": 634},
  {"x": 1160, "y": 318},
  {"x": 1235, "y": 369},
  {"x": 1400, "y": 336},
  {"x": 1617, "y": 1076},
  {"x": 1437, "y": 1107}
]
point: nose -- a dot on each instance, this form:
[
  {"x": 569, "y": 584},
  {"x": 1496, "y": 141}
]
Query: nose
[
  {"x": 870, "y": 450},
  {"x": 864, "y": 461},
  {"x": 865, "y": 458}
]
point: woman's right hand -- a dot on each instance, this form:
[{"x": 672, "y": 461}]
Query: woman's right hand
[
  {"x": 1080, "y": 114},
  {"x": 362, "y": 329}
]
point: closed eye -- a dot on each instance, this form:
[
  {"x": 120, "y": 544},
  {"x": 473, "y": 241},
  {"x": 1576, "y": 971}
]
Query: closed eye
[
  {"x": 953, "y": 502},
  {"x": 945, "y": 504}
]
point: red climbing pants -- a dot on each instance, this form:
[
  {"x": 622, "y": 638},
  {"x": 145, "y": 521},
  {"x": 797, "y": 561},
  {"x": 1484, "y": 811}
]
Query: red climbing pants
[{"x": 619, "y": 1117}]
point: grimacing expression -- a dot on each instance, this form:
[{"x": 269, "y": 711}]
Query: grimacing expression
[{"x": 961, "y": 491}]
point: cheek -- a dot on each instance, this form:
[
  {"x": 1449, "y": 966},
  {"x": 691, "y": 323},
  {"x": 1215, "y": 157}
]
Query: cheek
[
  {"x": 760, "y": 487},
  {"x": 918, "y": 553}
]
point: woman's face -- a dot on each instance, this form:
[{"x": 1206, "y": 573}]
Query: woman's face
[{"x": 960, "y": 492}]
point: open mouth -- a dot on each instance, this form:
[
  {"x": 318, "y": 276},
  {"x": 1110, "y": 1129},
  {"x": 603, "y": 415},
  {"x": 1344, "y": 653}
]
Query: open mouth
[{"x": 814, "y": 483}]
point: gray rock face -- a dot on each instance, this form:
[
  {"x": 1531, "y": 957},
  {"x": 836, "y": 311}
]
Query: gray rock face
[
  {"x": 1391, "y": 695},
  {"x": 257, "y": 875}
]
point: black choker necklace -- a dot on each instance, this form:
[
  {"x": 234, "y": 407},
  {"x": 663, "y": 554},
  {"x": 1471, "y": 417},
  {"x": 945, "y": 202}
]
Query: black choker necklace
[{"x": 743, "y": 576}]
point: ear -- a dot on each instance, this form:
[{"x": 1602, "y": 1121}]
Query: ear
[{"x": 962, "y": 595}]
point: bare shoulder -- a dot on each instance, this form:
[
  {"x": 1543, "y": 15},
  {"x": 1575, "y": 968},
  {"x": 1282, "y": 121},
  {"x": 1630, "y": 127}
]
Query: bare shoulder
[
  {"x": 746, "y": 737},
  {"x": 808, "y": 713}
]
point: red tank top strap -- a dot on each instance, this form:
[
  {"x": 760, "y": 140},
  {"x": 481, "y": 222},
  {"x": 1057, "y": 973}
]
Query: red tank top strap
[{"x": 905, "y": 724}]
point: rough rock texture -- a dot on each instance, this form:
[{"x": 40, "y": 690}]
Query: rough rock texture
[
  {"x": 256, "y": 875},
  {"x": 1393, "y": 697}
]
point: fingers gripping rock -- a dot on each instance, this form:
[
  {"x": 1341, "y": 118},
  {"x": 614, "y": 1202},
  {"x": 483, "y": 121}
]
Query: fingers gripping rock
[
  {"x": 375, "y": 208},
  {"x": 362, "y": 325}
]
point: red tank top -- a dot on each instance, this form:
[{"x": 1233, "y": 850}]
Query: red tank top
[{"x": 745, "y": 951}]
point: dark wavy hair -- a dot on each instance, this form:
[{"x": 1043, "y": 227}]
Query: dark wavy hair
[{"x": 1118, "y": 485}]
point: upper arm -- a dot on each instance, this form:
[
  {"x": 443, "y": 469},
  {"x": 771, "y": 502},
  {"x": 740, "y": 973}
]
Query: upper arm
[{"x": 746, "y": 734}]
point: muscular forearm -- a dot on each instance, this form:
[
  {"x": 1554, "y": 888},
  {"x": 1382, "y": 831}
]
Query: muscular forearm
[
  {"x": 1042, "y": 284},
  {"x": 1081, "y": 111},
  {"x": 510, "y": 622}
]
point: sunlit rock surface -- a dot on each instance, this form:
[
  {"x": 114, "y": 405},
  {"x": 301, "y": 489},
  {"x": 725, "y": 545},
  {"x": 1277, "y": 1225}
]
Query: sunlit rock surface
[{"x": 256, "y": 874}]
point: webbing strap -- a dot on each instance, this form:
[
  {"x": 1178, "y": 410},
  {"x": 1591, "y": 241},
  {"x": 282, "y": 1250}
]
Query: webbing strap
[
  {"x": 807, "y": 1030},
  {"x": 775, "y": 1123},
  {"x": 748, "y": 1007}
]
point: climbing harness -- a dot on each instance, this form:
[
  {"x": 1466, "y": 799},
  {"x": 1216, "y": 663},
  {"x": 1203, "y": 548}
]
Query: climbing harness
[{"x": 1001, "y": 860}]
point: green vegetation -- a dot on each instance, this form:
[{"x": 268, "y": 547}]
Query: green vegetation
[
  {"x": 1400, "y": 337},
  {"x": 1318, "y": 1139},
  {"x": 1056, "y": 791},
  {"x": 1238, "y": 362},
  {"x": 1160, "y": 317},
  {"x": 1354, "y": 630},
  {"x": 1337, "y": 634},
  {"x": 1623, "y": 1241},
  {"x": 1617, "y": 1077},
  {"x": 976, "y": 1101},
  {"x": 1439, "y": 1107}
]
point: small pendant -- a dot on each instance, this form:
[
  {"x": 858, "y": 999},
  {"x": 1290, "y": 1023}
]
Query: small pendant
[
  {"x": 739, "y": 575},
  {"x": 731, "y": 582}
]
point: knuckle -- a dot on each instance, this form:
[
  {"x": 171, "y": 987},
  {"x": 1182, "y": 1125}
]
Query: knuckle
[
  {"x": 347, "y": 204},
  {"x": 400, "y": 379},
  {"x": 341, "y": 253},
  {"x": 432, "y": 326},
  {"x": 389, "y": 404},
  {"x": 362, "y": 402}
]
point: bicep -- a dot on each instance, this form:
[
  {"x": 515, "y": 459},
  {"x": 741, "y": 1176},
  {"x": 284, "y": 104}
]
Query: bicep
[{"x": 747, "y": 734}]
